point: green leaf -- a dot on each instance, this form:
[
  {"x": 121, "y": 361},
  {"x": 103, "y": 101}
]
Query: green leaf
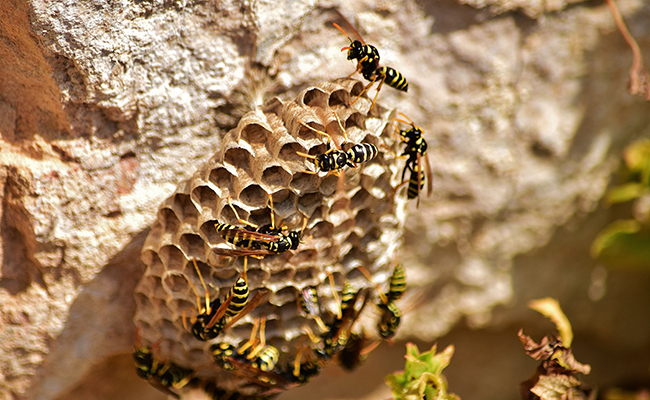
[
  {"x": 623, "y": 244},
  {"x": 421, "y": 375},
  {"x": 625, "y": 192}
]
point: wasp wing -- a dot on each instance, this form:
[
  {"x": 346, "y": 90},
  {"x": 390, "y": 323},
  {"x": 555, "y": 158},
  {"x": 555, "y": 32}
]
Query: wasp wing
[
  {"x": 242, "y": 252},
  {"x": 246, "y": 234},
  {"x": 428, "y": 174},
  {"x": 262, "y": 378},
  {"x": 220, "y": 312}
]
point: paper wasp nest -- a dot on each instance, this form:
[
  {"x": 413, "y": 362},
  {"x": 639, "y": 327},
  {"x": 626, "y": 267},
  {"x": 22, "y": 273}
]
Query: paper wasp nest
[{"x": 351, "y": 221}]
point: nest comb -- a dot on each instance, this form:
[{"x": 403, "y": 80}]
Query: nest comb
[{"x": 352, "y": 221}]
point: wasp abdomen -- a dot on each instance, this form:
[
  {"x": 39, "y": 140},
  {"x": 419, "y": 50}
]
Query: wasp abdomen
[
  {"x": 362, "y": 152},
  {"x": 393, "y": 78}
]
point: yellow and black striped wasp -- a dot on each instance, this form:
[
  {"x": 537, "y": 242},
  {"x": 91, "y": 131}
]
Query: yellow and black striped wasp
[
  {"x": 257, "y": 362},
  {"x": 162, "y": 376},
  {"x": 366, "y": 55},
  {"x": 262, "y": 369},
  {"x": 335, "y": 159},
  {"x": 367, "y": 58},
  {"x": 338, "y": 331},
  {"x": 217, "y": 316},
  {"x": 390, "y": 313},
  {"x": 356, "y": 350},
  {"x": 257, "y": 241},
  {"x": 415, "y": 151},
  {"x": 253, "y": 354},
  {"x": 309, "y": 305}
]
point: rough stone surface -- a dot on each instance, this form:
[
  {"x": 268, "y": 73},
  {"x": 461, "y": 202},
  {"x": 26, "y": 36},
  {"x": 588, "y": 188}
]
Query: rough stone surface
[{"x": 105, "y": 106}]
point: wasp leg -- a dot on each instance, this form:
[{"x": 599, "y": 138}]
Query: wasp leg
[
  {"x": 262, "y": 342},
  {"x": 272, "y": 213},
  {"x": 345, "y": 133},
  {"x": 381, "y": 83},
  {"x": 253, "y": 339},
  {"x": 364, "y": 90},
  {"x": 296, "y": 363},
  {"x": 237, "y": 215},
  {"x": 310, "y": 334},
  {"x": 335, "y": 295}
]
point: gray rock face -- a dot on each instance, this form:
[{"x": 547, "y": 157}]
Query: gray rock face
[{"x": 105, "y": 106}]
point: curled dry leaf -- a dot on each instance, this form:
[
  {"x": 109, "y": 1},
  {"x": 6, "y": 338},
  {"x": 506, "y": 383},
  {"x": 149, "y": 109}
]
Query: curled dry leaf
[
  {"x": 554, "y": 378},
  {"x": 554, "y": 356}
]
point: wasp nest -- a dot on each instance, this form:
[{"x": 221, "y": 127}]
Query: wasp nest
[{"x": 351, "y": 221}]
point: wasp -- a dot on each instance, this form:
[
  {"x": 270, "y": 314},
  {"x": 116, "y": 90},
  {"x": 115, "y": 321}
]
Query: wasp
[
  {"x": 336, "y": 337},
  {"x": 367, "y": 58},
  {"x": 256, "y": 355},
  {"x": 257, "y": 241},
  {"x": 335, "y": 159},
  {"x": 415, "y": 151},
  {"x": 309, "y": 305},
  {"x": 217, "y": 316},
  {"x": 390, "y": 314},
  {"x": 338, "y": 331},
  {"x": 257, "y": 362},
  {"x": 275, "y": 379},
  {"x": 366, "y": 55},
  {"x": 415, "y": 184},
  {"x": 163, "y": 376},
  {"x": 355, "y": 351}
]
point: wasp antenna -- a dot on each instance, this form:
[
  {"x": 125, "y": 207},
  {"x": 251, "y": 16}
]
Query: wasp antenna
[
  {"x": 306, "y": 155},
  {"x": 401, "y": 120},
  {"x": 343, "y": 32},
  {"x": 351, "y": 27},
  {"x": 410, "y": 120}
]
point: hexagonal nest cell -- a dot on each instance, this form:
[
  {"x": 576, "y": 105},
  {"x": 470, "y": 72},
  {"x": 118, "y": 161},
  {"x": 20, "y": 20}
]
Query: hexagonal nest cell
[{"x": 345, "y": 227}]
